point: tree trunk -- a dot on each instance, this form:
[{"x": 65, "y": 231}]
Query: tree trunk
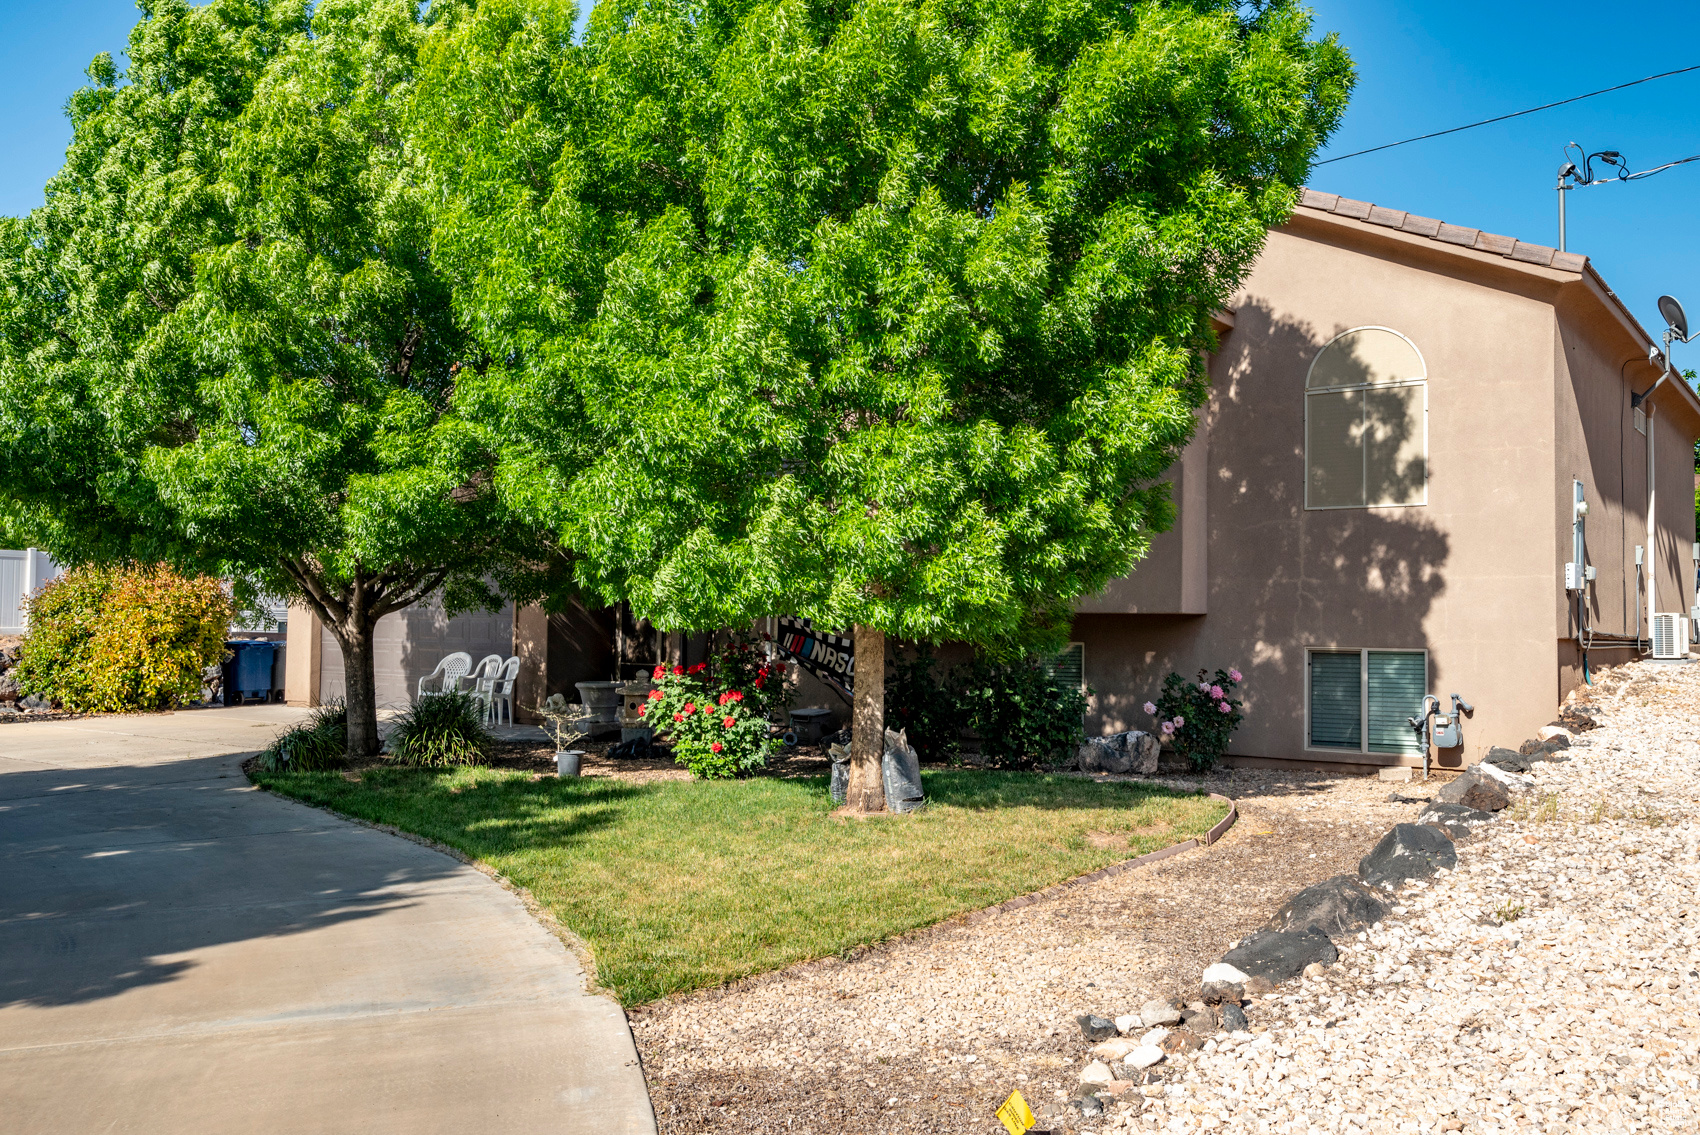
[
  {"x": 362, "y": 690},
  {"x": 867, "y": 730}
]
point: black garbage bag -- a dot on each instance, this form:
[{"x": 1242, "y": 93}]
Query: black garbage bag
[{"x": 900, "y": 771}]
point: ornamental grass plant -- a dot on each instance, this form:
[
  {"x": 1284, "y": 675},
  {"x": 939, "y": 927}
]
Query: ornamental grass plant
[
  {"x": 317, "y": 743},
  {"x": 441, "y": 731}
]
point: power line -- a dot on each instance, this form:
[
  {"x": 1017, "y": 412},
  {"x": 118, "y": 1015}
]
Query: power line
[
  {"x": 1515, "y": 114},
  {"x": 1585, "y": 175}
]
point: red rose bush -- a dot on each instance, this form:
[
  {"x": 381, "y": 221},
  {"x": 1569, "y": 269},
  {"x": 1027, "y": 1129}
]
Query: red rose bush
[{"x": 715, "y": 731}]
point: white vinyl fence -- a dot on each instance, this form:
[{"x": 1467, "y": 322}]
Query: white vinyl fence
[{"x": 20, "y": 573}]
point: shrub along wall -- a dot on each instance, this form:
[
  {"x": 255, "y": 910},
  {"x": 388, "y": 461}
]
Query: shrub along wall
[{"x": 123, "y": 639}]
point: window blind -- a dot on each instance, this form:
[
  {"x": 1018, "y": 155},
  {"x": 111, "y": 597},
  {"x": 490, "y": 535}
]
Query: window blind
[
  {"x": 1398, "y": 679},
  {"x": 1336, "y": 702},
  {"x": 1334, "y": 450},
  {"x": 1068, "y": 668},
  {"x": 1393, "y": 446}
]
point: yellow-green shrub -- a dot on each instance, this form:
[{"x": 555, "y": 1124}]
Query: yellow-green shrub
[{"x": 121, "y": 639}]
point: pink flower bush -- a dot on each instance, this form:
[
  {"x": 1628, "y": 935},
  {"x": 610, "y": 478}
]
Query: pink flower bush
[
  {"x": 1236, "y": 675},
  {"x": 1209, "y": 704}
]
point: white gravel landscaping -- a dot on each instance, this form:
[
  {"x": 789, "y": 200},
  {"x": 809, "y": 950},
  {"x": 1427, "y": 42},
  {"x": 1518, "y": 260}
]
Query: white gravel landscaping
[{"x": 1549, "y": 984}]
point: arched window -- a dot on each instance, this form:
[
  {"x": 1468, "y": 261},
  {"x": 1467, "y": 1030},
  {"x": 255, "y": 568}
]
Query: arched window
[{"x": 1366, "y": 422}]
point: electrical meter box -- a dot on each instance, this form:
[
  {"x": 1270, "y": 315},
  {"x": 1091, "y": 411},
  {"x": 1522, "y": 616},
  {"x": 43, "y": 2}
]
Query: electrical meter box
[{"x": 1573, "y": 577}]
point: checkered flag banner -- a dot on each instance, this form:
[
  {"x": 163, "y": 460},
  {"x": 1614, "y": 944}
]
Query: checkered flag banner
[{"x": 829, "y": 657}]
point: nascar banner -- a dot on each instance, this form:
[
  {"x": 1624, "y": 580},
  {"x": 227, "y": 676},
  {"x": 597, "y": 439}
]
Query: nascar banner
[{"x": 829, "y": 657}]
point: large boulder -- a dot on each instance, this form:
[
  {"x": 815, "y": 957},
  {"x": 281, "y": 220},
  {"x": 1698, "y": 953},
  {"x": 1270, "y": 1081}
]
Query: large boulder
[
  {"x": 1507, "y": 760},
  {"x": 1409, "y": 851},
  {"x": 1121, "y": 753},
  {"x": 1543, "y": 750},
  {"x": 1280, "y": 954},
  {"x": 1336, "y": 906},
  {"x": 1476, "y": 790}
]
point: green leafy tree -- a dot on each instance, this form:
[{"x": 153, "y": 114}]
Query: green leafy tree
[
  {"x": 889, "y": 313},
  {"x": 223, "y": 343}
]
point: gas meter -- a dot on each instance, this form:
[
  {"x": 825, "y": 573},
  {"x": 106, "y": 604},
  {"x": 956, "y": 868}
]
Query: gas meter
[
  {"x": 1448, "y": 729},
  {"x": 1442, "y": 730}
]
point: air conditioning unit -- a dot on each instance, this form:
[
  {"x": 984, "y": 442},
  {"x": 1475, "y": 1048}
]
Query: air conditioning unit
[{"x": 1670, "y": 635}]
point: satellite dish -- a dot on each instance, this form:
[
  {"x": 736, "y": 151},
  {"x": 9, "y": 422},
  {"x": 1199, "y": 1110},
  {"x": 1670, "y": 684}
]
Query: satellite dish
[{"x": 1672, "y": 311}]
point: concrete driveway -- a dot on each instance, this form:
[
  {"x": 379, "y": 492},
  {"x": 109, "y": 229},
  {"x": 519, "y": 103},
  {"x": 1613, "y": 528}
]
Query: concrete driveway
[{"x": 182, "y": 953}]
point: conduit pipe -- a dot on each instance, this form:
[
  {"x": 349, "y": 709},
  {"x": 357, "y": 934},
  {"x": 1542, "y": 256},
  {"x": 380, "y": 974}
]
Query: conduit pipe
[{"x": 1652, "y": 495}]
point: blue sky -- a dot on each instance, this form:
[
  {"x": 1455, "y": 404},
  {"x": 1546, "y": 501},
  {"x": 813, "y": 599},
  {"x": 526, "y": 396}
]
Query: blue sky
[{"x": 1422, "y": 67}]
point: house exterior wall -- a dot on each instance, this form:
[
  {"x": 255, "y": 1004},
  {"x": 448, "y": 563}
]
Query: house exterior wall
[
  {"x": 304, "y": 665},
  {"x": 408, "y": 644},
  {"x": 1522, "y": 393}
]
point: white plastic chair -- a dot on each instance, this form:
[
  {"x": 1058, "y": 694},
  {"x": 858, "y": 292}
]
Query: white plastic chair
[
  {"x": 446, "y": 677},
  {"x": 482, "y": 680},
  {"x": 502, "y": 692}
]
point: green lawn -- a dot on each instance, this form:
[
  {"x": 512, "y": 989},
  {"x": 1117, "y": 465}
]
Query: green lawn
[{"x": 678, "y": 885}]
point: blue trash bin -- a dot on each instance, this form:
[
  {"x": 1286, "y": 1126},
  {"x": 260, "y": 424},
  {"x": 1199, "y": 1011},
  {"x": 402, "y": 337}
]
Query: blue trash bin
[{"x": 251, "y": 670}]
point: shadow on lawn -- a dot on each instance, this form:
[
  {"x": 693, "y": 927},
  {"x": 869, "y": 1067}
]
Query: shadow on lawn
[{"x": 486, "y": 816}]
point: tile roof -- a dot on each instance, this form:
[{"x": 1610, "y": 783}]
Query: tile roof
[{"x": 1447, "y": 234}]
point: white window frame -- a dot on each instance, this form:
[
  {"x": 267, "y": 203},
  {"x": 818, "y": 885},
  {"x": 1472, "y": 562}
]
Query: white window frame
[
  {"x": 1363, "y": 653},
  {"x": 1308, "y": 391}
]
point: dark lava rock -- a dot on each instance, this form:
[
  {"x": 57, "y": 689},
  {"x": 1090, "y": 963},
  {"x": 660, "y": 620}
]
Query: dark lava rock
[
  {"x": 1507, "y": 760},
  {"x": 1280, "y": 954},
  {"x": 1341, "y": 905},
  {"x": 1475, "y": 790},
  {"x": 1095, "y": 1029},
  {"x": 1216, "y": 992},
  {"x": 1409, "y": 851},
  {"x": 1233, "y": 1019},
  {"x": 1541, "y": 749},
  {"x": 1089, "y": 1104},
  {"x": 1578, "y": 718}
]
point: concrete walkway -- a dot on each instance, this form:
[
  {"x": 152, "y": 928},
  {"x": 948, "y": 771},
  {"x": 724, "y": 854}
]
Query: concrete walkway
[{"x": 182, "y": 953}]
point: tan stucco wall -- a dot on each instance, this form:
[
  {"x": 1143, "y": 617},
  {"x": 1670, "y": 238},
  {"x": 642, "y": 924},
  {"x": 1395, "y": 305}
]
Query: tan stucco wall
[
  {"x": 408, "y": 644},
  {"x": 1518, "y": 396},
  {"x": 303, "y": 656}
]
